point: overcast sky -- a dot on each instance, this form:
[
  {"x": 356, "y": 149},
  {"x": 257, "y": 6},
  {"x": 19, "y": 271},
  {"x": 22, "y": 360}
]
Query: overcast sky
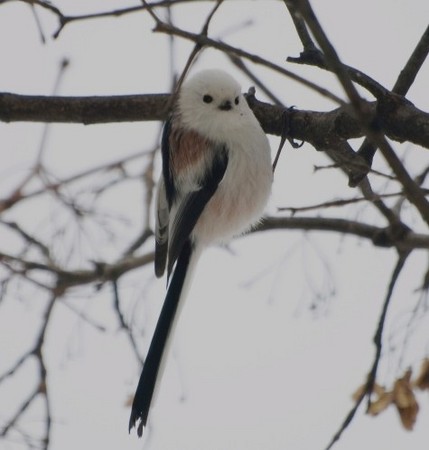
[{"x": 276, "y": 332}]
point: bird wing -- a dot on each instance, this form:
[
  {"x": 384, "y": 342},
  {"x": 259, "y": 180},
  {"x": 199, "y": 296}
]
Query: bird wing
[
  {"x": 193, "y": 204},
  {"x": 164, "y": 200},
  {"x": 161, "y": 229},
  {"x": 181, "y": 149}
]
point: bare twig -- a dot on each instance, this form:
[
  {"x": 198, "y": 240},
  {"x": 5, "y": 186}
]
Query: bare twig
[
  {"x": 375, "y": 199},
  {"x": 347, "y": 421},
  {"x": 42, "y": 386},
  {"x": 412, "y": 67},
  {"x": 195, "y": 51},
  {"x": 311, "y": 55},
  {"x": 412, "y": 191},
  {"x": 338, "y": 203},
  {"x": 19, "y": 195},
  {"x": 205, "y": 41},
  {"x": 238, "y": 62},
  {"x": 69, "y": 278},
  {"x": 122, "y": 322},
  {"x": 64, "y": 64},
  {"x": 301, "y": 28},
  {"x": 66, "y": 19},
  {"x": 403, "y": 83},
  {"x": 367, "y": 391},
  {"x": 378, "y": 337},
  {"x": 44, "y": 249},
  {"x": 380, "y": 237}
]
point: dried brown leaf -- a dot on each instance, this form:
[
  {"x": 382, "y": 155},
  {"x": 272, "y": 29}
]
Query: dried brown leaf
[
  {"x": 379, "y": 405},
  {"x": 422, "y": 380},
  {"x": 405, "y": 400},
  {"x": 377, "y": 390},
  {"x": 357, "y": 394}
]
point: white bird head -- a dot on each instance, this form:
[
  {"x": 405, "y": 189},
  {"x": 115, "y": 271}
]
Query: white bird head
[{"x": 211, "y": 103}]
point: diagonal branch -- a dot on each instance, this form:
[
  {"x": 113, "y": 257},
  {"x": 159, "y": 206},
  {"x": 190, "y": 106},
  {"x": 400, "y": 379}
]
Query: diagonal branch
[
  {"x": 64, "y": 19},
  {"x": 311, "y": 55},
  {"x": 378, "y": 337},
  {"x": 403, "y": 83},
  {"x": 205, "y": 41},
  {"x": 42, "y": 386},
  {"x": 367, "y": 391},
  {"x": 388, "y": 237},
  {"x": 412, "y": 190},
  {"x": 412, "y": 67}
]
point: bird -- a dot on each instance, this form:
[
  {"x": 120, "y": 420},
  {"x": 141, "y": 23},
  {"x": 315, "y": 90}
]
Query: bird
[{"x": 215, "y": 184}]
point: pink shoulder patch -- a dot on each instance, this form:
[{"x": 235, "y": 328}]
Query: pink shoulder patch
[{"x": 187, "y": 148}]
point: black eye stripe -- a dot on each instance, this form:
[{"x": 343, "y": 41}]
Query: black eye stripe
[
  {"x": 237, "y": 100},
  {"x": 207, "y": 98}
]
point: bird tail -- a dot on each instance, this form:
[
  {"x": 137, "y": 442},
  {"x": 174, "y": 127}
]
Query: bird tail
[{"x": 151, "y": 373}]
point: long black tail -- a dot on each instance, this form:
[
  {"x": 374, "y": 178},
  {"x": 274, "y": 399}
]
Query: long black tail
[{"x": 146, "y": 387}]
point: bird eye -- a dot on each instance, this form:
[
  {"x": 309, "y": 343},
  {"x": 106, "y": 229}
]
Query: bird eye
[
  {"x": 237, "y": 100},
  {"x": 207, "y": 98}
]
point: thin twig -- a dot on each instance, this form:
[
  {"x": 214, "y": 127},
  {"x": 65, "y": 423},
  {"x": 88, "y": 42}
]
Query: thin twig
[
  {"x": 412, "y": 67},
  {"x": 311, "y": 55},
  {"x": 378, "y": 337},
  {"x": 366, "y": 189},
  {"x": 338, "y": 202},
  {"x": 238, "y": 62},
  {"x": 403, "y": 83},
  {"x": 347, "y": 421},
  {"x": 64, "y": 64},
  {"x": 42, "y": 385},
  {"x": 301, "y": 28},
  {"x": 226, "y": 48},
  {"x": 18, "y": 195},
  {"x": 123, "y": 324},
  {"x": 413, "y": 192},
  {"x": 195, "y": 51},
  {"x": 367, "y": 391}
]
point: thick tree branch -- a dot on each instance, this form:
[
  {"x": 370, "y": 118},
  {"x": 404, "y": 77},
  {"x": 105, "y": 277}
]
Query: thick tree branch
[
  {"x": 399, "y": 119},
  {"x": 326, "y": 131},
  {"x": 388, "y": 237},
  {"x": 85, "y": 110}
]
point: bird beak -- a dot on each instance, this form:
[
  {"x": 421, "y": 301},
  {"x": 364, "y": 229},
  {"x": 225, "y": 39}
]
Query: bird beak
[{"x": 225, "y": 106}]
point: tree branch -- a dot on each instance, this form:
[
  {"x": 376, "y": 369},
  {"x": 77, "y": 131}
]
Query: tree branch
[
  {"x": 84, "y": 110},
  {"x": 412, "y": 67},
  {"x": 371, "y": 128},
  {"x": 402, "y": 85},
  {"x": 378, "y": 337},
  {"x": 387, "y": 237},
  {"x": 367, "y": 391},
  {"x": 400, "y": 120}
]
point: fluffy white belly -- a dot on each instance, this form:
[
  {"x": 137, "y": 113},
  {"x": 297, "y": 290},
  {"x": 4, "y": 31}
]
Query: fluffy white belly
[{"x": 241, "y": 197}]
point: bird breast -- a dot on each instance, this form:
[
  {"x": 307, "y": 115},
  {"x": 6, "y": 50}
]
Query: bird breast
[{"x": 242, "y": 195}]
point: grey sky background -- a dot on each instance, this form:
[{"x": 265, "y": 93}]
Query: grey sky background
[{"x": 276, "y": 333}]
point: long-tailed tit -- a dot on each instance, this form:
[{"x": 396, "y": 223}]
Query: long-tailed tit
[{"x": 216, "y": 180}]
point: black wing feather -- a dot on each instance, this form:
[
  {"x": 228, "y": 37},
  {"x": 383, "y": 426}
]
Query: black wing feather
[
  {"x": 193, "y": 205},
  {"x": 166, "y": 194},
  {"x": 170, "y": 189}
]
